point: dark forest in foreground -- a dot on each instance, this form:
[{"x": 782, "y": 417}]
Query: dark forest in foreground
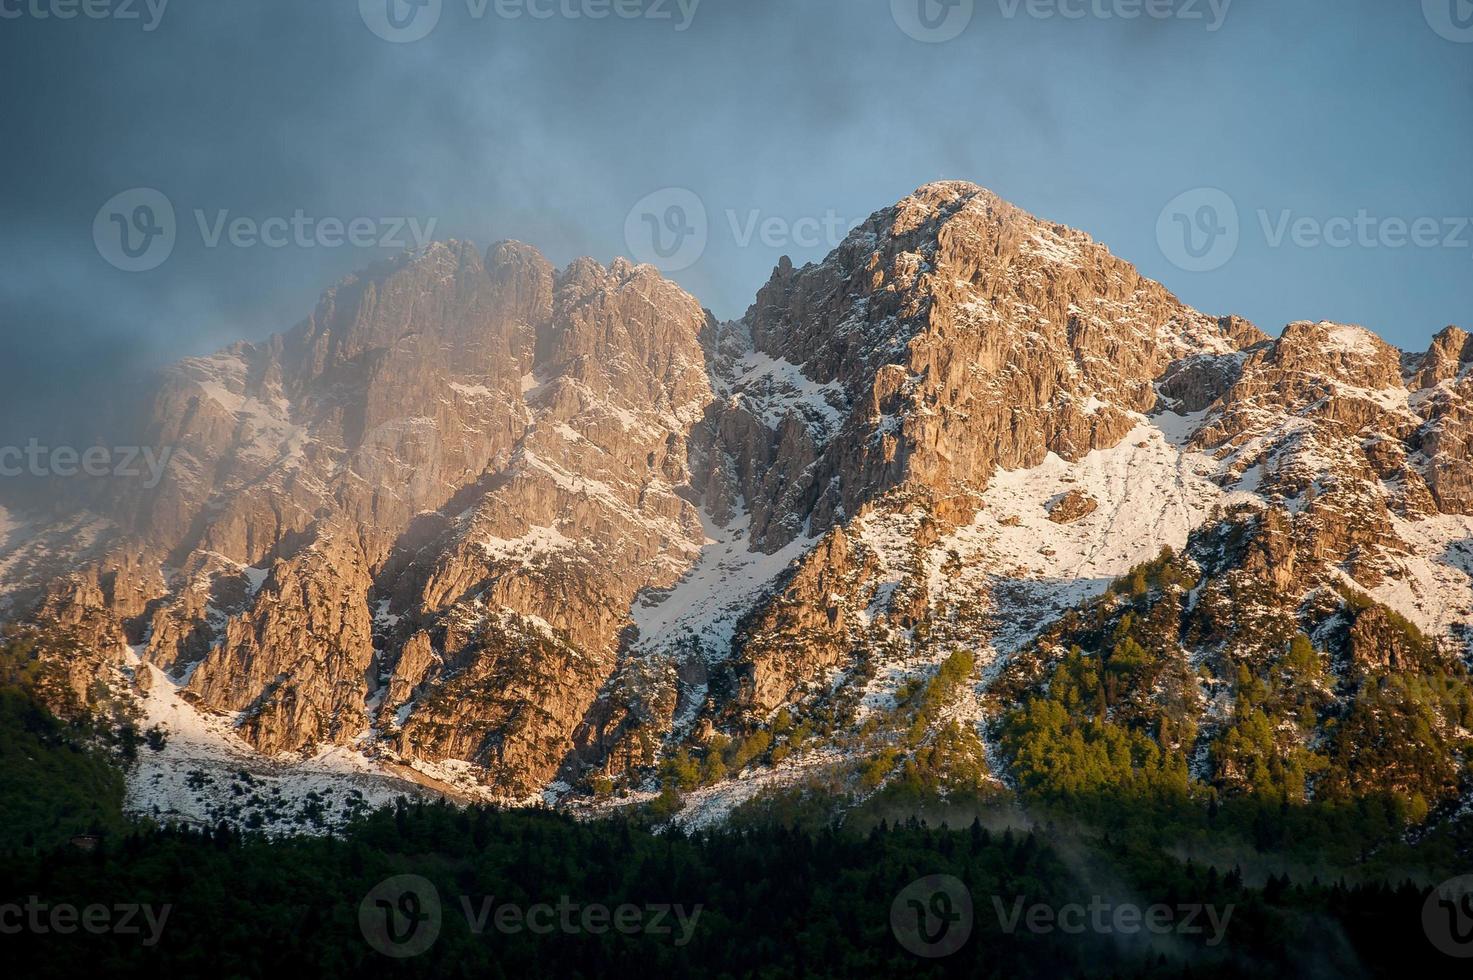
[{"x": 781, "y": 891}]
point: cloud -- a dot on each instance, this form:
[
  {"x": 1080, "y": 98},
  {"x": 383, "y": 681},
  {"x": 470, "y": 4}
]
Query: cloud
[{"x": 549, "y": 130}]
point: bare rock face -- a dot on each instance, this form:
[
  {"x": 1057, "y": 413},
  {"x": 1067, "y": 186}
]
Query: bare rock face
[
  {"x": 959, "y": 335},
  {"x": 414, "y": 663},
  {"x": 397, "y": 391},
  {"x": 1072, "y": 506},
  {"x": 509, "y": 705},
  {"x": 1379, "y": 646},
  {"x": 1444, "y": 386},
  {"x": 809, "y": 627},
  {"x": 295, "y": 662}
]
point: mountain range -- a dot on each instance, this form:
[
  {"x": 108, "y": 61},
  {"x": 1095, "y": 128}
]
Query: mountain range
[{"x": 970, "y": 506}]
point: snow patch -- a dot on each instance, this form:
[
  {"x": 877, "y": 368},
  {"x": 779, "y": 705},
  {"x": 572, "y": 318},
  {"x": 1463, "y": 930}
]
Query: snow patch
[{"x": 706, "y": 603}]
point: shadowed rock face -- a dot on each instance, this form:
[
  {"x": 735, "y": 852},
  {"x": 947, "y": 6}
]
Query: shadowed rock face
[
  {"x": 448, "y": 440},
  {"x": 426, "y": 521}
]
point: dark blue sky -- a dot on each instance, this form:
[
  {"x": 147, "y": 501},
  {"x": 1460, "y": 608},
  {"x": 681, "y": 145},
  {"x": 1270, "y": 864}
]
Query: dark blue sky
[{"x": 1336, "y": 131}]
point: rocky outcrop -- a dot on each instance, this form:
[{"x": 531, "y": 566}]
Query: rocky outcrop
[
  {"x": 809, "y": 627},
  {"x": 1330, "y": 416},
  {"x": 295, "y": 662},
  {"x": 509, "y": 705},
  {"x": 1252, "y": 661},
  {"x": 1444, "y": 387},
  {"x": 1072, "y": 506},
  {"x": 415, "y": 660}
]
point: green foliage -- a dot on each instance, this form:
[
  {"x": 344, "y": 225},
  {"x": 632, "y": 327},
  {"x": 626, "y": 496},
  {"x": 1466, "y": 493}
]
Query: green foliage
[
  {"x": 1247, "y": 756},
  {"x": 54, "y": 781},
  {"x": 938, "y": 760},
  {"x": 954, "y": 760},
  {"x": 1056, "y": 756},
  {"x": 680, "y": 771},
  {"x": 923, "y": 701},
  {"x": 1406, "y": 733},
  {"x": 875, "y": 769},
  {"x": 743, "y": 751},
  {"x": 721, "y": 757},
  {"x": 1325, "y": 751},
  {"x": 1263, "y": 751},
  {"x": 666, "y": 805},
  {"x": 1160, "y": 573}
]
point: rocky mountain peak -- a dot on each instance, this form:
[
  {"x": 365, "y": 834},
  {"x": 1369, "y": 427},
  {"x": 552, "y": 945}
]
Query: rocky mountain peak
[
  {"x": 958, "y": 334},
  {"x": 1447, "y": 359},
  {"x": 1345, "y": 352}
]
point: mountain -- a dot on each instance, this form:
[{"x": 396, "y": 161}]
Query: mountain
[{"x": 970, "y": 504}]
